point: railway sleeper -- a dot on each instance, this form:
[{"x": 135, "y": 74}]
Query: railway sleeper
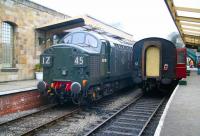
[
  {"x": 131, "y": 120},
  {"x": 135, "y": 117},
  {"x": 111, "y": 133},
  {"x": 123, "y": 129},
  {"x": 126, "y": 124}
]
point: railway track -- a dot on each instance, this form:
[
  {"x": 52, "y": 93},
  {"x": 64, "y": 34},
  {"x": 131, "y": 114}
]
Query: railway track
[
  {"x": 28, "y": 115},
  {"x": 130, "y": 120},
  {"x": 87, "y": 116},
  {"x": 151, "y": 127},
  {"x": 103, "y": 118},
  {"x": 30, "y": 123},
  {"x": 51, "y": 122},
  {"x": 45, "y": 118}
]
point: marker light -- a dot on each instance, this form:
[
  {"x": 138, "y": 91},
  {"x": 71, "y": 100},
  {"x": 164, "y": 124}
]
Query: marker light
[{"x": 84, "y": 83}]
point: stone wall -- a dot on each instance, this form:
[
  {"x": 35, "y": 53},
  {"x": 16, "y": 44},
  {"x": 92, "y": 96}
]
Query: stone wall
[{"x": 25, "y": 16}]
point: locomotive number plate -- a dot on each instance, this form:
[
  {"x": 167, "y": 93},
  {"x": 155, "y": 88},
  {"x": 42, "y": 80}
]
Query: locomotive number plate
[
  {"x": 78, "y": 60},
  {"x": 46, "y": 60}
]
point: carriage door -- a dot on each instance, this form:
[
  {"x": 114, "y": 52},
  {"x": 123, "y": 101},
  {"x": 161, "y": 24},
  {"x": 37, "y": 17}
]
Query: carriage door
[
  {"x": 181, "y": 63},
  {"x": 152, "y": 61},
  {"x": 105, "y": 59}
]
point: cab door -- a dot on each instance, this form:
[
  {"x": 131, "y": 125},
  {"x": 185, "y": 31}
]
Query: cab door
[
  {"x": 105, "y": 59},
  {"x": 181, "y": 63}
]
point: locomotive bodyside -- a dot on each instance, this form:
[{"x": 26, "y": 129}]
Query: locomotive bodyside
[
  {"x": 86, "y": 66},
  {"x": 154, "y": 62}
]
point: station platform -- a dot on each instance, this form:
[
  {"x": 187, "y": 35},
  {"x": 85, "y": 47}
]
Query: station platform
[
  {"x": 181, "y": 116},
  {"x": 17, "y": 86},
  {"x": 18, "y": 96}
]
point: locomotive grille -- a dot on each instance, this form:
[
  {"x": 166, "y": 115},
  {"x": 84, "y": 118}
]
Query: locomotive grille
[{"x": 94, "y": 66}]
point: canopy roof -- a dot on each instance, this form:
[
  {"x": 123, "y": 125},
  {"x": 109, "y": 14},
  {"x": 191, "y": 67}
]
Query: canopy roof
[{"x": 186, "y": 16}]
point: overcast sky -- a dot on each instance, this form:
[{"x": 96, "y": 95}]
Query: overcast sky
[{"x": 141, "y": 18}]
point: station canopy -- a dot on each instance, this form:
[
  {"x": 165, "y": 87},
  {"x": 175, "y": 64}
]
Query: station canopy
[
  {"x": 86, "y": 23},
  {"x": 186, "y": 16}
]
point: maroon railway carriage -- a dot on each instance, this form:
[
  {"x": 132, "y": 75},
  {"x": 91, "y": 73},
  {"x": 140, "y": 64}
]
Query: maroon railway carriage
[{"x": 181, "y": 63}]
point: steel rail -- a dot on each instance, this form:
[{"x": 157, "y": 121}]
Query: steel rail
[
  {"x": 91, "y": 132},
  {"x": 149, "y": 119},
  {"x": 26, "y": 115},
  {"x": 51, "y": 122}
]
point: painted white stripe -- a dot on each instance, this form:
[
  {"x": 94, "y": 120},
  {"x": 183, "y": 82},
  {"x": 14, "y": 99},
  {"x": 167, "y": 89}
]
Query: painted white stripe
[
  {"x": 162, "y": 119},
  {"x": 17, "y": 90},
  {"x": 192, "y": 69}
]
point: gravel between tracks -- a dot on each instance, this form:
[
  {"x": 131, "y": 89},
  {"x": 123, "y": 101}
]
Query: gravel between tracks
[
  {"x": 77, "y": 127},
  {"x": 123, "y": 100}
]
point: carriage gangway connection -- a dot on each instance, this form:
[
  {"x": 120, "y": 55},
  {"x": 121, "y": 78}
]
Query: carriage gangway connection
[{"x": 181, "y": 114}]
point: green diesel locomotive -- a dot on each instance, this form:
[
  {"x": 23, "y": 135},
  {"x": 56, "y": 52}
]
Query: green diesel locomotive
[{"x": 85, "y": 66}]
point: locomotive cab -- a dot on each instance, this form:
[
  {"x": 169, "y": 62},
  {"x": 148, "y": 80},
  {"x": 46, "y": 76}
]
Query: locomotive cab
[{"x": 65, "y": 65}]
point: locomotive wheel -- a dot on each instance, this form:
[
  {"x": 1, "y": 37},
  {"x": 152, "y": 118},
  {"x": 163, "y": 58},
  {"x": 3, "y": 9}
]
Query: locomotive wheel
[
  {"x": 53, "y": 99},
  {"x": 77, "y": 101},
  {"x": 80, "y": 100}
]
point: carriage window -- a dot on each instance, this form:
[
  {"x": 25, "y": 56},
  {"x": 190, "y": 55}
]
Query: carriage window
[
  {"x": 68, "y": 39},
  {"x": 78, "y": 38},
  {"x": 91, "y": 41},
  {"x": 180, "y": 57}
]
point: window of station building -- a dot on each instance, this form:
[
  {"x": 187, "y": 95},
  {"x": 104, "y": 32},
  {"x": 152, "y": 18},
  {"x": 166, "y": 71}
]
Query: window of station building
[
  {"x": 91, "y": 41},
  {"x": 7, "y": 44},
  {"x": 78, "y": 38}
]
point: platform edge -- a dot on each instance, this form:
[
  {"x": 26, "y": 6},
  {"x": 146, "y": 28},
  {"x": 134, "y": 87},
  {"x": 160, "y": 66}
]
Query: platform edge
[
  {"x": 161, "y": 122},
  {"x": 17, "y": 91}
]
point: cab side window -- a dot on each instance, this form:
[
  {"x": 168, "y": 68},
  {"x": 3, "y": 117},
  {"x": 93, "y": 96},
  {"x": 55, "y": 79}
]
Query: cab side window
[{"x": 103, "y": 48}]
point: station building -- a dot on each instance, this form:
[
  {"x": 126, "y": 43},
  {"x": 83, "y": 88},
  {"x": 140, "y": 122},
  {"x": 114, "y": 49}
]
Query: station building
[
  {"x": 28, "y": 28},
  {"x": 19, "y": 48}
]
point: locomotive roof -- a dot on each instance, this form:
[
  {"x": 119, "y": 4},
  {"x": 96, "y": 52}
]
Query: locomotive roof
[{"x": 102, "y": 36}]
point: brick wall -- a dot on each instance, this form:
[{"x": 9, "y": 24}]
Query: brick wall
[
  {"x": 21, "y": 101},
  {"x": 25, "y": 16}
]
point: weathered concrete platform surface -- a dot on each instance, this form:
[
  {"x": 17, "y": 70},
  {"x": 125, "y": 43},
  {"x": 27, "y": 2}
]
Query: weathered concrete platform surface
[
  {"x": 17, "y": 86},
  {"x": 183, "y": 115}
]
